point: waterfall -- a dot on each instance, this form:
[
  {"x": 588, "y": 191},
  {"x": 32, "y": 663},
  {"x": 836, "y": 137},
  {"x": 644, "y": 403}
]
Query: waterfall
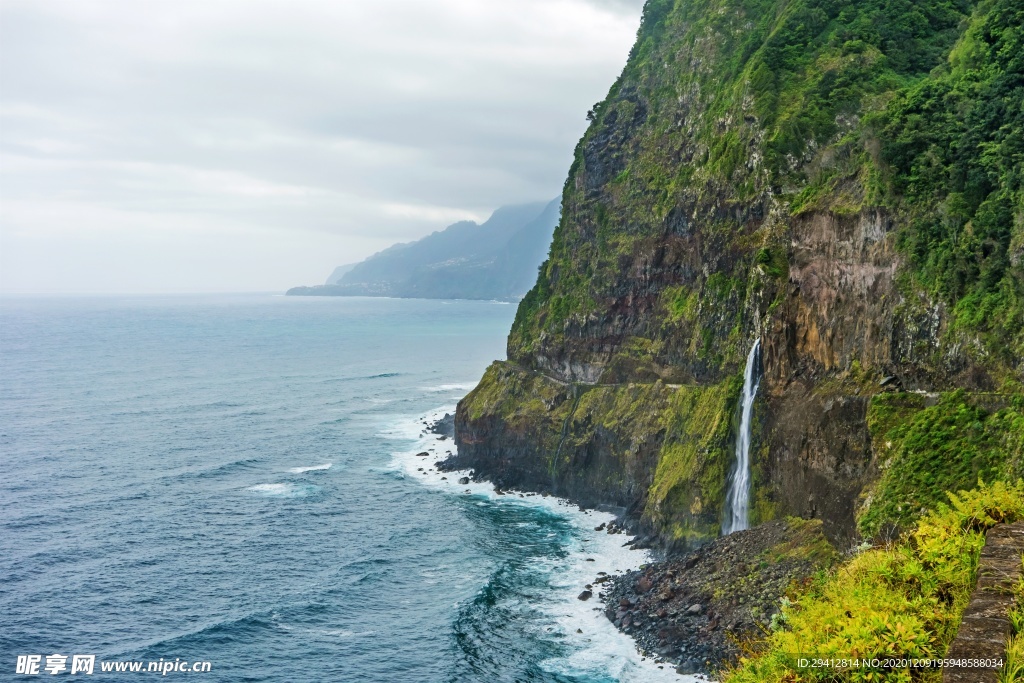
[{"x": 737, "y": 500}]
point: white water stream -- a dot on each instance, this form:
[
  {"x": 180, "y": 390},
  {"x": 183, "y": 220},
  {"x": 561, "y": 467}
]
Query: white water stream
[{"x": 737, "y": 500}]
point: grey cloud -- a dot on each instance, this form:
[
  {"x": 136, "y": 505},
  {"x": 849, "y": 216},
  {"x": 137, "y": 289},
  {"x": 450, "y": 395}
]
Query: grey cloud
[
  {"x": 624, "y": 6},
  {"x": 361, "y": 122}
]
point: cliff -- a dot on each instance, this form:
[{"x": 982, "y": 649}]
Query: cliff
[
  {"x": 842, "y": 181},
  {"x": 494, "y": 260}
]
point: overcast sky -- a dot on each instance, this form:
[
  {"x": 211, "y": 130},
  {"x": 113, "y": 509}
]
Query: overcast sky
[{"x": 252, "y": 145}]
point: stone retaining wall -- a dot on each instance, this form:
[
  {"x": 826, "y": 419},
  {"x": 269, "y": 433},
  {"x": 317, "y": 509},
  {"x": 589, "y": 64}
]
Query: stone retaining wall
[{"x": 986, "y": 627}]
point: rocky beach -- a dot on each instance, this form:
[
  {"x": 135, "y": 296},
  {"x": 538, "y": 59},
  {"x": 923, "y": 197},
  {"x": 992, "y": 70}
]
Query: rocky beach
[{"x": 692, "y": 611}]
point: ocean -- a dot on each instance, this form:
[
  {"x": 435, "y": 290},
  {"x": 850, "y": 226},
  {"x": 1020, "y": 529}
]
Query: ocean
[{"x": 233, "y": 479}]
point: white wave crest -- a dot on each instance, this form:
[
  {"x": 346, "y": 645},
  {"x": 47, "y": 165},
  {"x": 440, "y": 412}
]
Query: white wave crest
[
  {"x": 443, "y": 388},
  {"x": 600, "y": 651},
  {"x": 311, "y": 468},
  {"x": 284, "y": 490}
]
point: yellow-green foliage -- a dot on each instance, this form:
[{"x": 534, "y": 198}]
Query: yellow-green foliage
[
  {"x": 689, "y": 482},
  {"x": 633, "y": 412},
  {"x": 901, "y": 601},
  {"x": 1013, "y": 668},
  {"x": 519, "y": 398},
  {"x": 681, "y": 304}
]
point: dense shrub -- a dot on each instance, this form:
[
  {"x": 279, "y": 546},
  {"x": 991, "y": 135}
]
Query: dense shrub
[{"x": 905, "y": 600}]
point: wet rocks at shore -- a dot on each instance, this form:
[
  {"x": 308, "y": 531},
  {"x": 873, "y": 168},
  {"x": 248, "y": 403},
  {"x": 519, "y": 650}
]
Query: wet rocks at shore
[
  {"x": 444, "y": 426},
  {"x": 691, "y": 611}
]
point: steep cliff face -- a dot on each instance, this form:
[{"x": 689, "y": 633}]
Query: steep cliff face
[{"x": 833, "y": 179}]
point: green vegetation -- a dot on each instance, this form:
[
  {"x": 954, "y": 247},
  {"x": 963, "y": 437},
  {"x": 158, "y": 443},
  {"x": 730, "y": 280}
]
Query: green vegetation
[
  {"x": 762, "y": 165},
  {"x": 926, "y": 451},
  {"x": 688, "y": 491},
  {"x": 902, "y": 601},
  {"x": 957, "y": 153},
  {"x": 501, "y": 391},
  {"x": 912, "y": 106},
  {"x": 737, "y": 133},
  {"x": 1013, "y": 668}
]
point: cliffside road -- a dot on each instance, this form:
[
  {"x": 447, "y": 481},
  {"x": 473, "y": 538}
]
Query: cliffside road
[{"x": 986, "y": 627}]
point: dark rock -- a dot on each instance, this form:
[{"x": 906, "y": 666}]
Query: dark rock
[
  {"x": 445, "y": 426},
  {"x": 585, "y": 595},
  {"x": 690, "y": 666},
  {"x": 464, "y": 480},
  {"x": 673, "y": 604}
]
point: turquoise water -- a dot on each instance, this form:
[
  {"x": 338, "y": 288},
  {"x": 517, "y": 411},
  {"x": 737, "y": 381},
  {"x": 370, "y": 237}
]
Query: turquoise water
[{"x": 232, "y": 479}]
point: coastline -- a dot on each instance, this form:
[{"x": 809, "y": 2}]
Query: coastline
[
  {"x": 594, "y": 560},
  {"x": 689, "y": 610}
]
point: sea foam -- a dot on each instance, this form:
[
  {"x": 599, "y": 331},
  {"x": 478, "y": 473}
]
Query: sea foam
[
  {"x": 284, "y": 490},
  {"x": 598, "y": 649},
  {"x": 311, "y": 468},
  {"x": 443, "y": 388}
]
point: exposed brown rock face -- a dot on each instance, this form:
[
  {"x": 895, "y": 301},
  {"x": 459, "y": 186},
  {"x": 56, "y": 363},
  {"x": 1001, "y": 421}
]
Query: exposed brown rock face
[{"x": 840, "y": 299}]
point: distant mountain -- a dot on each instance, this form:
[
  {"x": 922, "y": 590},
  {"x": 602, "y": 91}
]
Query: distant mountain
[
  {"x": 496, "y": 260},
  {"x": 338, "y": 272}
]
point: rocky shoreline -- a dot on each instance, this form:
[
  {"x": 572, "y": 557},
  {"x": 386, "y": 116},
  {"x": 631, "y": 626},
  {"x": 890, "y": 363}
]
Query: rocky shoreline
[
  {"x": 690, "y": 611},
  {"x": 693, "y": 611}
]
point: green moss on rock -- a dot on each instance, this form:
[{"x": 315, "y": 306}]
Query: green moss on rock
[{"x": 688, "y": 491}]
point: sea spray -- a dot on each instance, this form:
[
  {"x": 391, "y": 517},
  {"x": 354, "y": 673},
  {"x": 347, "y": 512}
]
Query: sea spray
[
  {"x": 580, "y": 642},
  {"x": 737, "y": 501}
]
